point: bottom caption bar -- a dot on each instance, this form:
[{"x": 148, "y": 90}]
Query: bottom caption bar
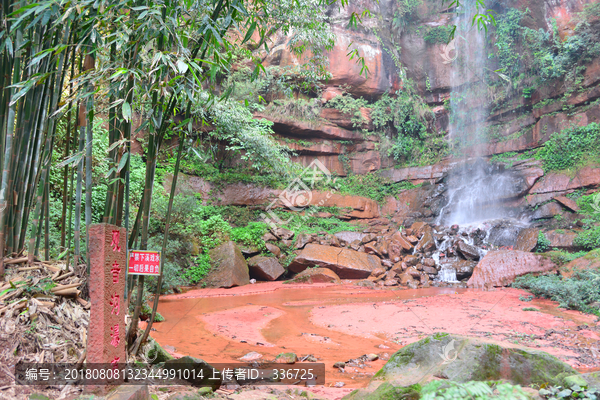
[{"x": 171, "y": 373}]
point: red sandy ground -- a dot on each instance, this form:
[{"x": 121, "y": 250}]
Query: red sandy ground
[{"x": 341, "y": 322}]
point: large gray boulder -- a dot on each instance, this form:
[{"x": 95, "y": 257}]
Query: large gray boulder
[
  {"x": 228, "y": 267},
  {"x": 463, "y": 359}
]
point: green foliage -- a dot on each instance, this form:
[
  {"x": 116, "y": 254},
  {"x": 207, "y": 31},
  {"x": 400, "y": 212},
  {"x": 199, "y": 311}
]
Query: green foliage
[
  {"x": 350, "y": 106},
  {"x": 508, "y": 33},
  {"x": 579, "y": 292},
  {"x": 404, "y": 13},
  {"x": 589, "y": 204},
  {"x": 588, "y": 238},
  {"x": 311, "y": 223},
  {"x": 372, "y": 186},
  {"x": 574, "y": 392},
  {"x": 542, "y": 243},
  {"x": 250, "y": 235},
  {"x": 295, "y": 109},
  {"x": 199, "y": 269},
  {"x": 571, "y": 147},
  {"x": 247, "y": 138},
  {"x": 563, "y": 257},
  {"x": 213, "y": 232},
  {"x": 531, "y": 309},
  {"x": 554, "y": 57},
  {"x": 438, "y": 34},
  {"x": 473, "y": 390},
  {"x": 405, "y": 118}
]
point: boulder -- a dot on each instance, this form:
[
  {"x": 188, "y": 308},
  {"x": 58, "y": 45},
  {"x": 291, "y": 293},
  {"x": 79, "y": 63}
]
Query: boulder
[
  {"x": 411, "y": 260},
  {"x": 317, "y": 275},
  {"x": 464, "y": 268},
  {"x": 528, "y": 238},
  {"x": 265, "y": 268},
  {"x": 500, "y": 268},
  {"x": 567, "y": 202},
  {"x": 378, "y": 272},
  {"x": 468, "y": 251},
  {"x": 302, "y": 240},
  {"x": 401, "y": 241},
  {"x": 228, "y": 267},
  {"x": 348, "y": 264},
  {"x": 430, "y": 270},
  {"x": 286, "y": 358},
  {"x": 462, "y": 359},
  {"x": 590, "y": 261},
  {"x": 427, "y": 243},
  {"x": 273, "y": 249},
  {"x": 203, "y": 371},
  {"x": 548, "y": 210},
  {"x": 350, "y": 237},
  {"x": 561, "y": 239}
]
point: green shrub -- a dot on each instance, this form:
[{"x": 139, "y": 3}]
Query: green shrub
[
  {"x": 372, "y": 186},
  {"x": 543, "y": 243},
  {"x": 589, "y": 238},
  {"x": 570, "y": 147},
  {"x": 438, "y": 34},
  {"x": 199, "y": 269},
  {"x": 577, "y": 293},
  {"x": 213, "y": 232},
  {"x": 473, "y": 390},
  {"x": 250, "y": 235}
]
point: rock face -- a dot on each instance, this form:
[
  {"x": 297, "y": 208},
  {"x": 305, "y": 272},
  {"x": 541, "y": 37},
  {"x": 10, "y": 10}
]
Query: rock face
[
  {"x": 462, "y": 359},
  {"x": 317, "y": 275},
  {"x": 265, "y": 268},
  {"x": 500, "y": 268},
  {"x": 346, "y": 263},
  {"x": 527, "y": 239},
  {"x": 228, "y": 267}
]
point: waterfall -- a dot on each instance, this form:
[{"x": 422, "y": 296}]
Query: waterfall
[{"x": 475, "y": 190}]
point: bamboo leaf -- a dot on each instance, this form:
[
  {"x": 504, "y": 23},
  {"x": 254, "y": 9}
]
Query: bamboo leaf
[
  {"x": 126, "y": 110},
  {"x": 9, "y": 46},
  {"x": 123, "y": 161},
  {"x": 64, "y": 253},
  {"x": 74, "y": 159}
]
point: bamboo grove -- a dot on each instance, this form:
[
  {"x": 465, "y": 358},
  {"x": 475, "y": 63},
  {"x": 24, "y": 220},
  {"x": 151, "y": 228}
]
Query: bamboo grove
[{"x": 63, "y": 62}]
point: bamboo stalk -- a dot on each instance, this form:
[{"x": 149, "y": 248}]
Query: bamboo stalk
[{"x": 165, "y": 238}]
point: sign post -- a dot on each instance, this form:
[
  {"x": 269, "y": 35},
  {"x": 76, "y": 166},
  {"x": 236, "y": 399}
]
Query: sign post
[{"x": 106, "y": 337}]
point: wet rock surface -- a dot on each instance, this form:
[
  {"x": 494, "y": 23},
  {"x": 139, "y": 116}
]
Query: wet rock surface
[
  {"x": 463, "y": 359},
  {"x": 348, "y": 264},
  {"x": 500, "y": 268}
]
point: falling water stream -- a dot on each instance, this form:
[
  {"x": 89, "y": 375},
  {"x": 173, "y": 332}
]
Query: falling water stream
[{"x": 477, "y": 192}]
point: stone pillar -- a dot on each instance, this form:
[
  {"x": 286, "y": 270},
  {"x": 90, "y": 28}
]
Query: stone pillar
[{"x": 106, "y": 334}]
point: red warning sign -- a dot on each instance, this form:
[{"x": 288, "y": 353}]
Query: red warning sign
[{"x": 143, "y": 262}]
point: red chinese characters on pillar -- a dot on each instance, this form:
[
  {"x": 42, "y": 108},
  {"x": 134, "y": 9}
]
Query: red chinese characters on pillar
[
  {"x": 106, "y": 340},
  {"x": 115, "y": 304},
  {"x": 115, "y": 270},
  {"x": 114, "y": 335},
  {"x": 116, "y": 237}
]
